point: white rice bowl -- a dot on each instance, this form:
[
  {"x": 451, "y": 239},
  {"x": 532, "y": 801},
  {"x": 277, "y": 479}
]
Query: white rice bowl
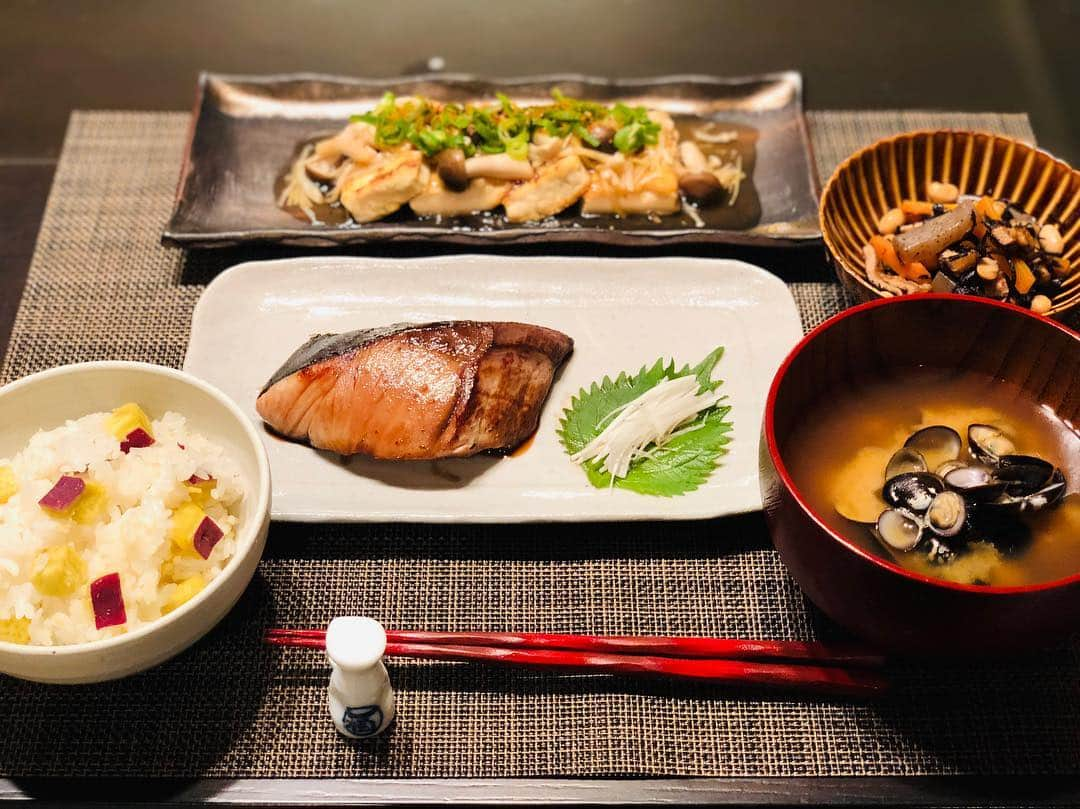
[{"x": 131, "y": 538}]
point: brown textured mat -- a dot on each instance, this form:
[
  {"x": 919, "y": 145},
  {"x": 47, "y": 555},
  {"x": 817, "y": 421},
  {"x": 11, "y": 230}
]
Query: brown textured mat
[{"x": 101, "y": 286}]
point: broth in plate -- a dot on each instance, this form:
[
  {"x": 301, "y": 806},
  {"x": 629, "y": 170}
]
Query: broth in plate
[{"x": 1010, "y": 514}]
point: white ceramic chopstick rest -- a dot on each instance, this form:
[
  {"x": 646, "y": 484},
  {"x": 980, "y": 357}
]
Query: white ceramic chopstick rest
[{"x": 361, "y": 699}]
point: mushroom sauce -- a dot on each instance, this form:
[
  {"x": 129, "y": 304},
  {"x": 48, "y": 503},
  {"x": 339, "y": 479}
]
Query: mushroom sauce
[{"x": 1006, "y": 507}]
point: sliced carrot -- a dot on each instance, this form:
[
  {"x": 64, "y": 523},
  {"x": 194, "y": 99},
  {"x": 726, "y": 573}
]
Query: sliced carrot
[
  {"x": 916, "y": 208},
  {"x": 986, "y": 208},
  {"x": 886, "y": 254},
  {"x": 1025, "y": 278},
  {"x": 916, "y": 271},
  {"x": 989, "y": 208},
  {"x": 981, "y": 211}
]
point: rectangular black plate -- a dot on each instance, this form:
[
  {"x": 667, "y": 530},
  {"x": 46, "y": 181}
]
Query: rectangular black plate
[{"x": 247, "y": 128}]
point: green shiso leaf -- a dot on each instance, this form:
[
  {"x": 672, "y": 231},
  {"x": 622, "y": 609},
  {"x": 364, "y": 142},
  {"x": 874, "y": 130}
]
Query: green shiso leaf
[{"x": 684, "y": 463}]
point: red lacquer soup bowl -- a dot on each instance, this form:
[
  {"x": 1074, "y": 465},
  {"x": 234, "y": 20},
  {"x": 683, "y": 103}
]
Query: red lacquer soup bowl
[{"x": 894, "y": 608}]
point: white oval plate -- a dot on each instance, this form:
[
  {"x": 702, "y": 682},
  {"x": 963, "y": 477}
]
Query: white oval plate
[{"x": 622, "y": 314}]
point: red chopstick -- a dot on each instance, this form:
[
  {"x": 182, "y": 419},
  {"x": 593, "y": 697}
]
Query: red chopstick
[
  {"x": 834, "y": 680},
  {"x": 838, "y": 654}
]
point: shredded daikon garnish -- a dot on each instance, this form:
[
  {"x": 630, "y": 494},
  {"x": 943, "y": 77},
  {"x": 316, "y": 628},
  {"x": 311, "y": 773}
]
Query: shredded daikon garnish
[
  {"x": 594, "y": 155},
  {"x": 729, "y": 174},
  {"x": 704, "y": 135},
  {"x": 301, "y": 191},
  {"x": 649, "y": 421},
  {"x": 691, "y": 211}
]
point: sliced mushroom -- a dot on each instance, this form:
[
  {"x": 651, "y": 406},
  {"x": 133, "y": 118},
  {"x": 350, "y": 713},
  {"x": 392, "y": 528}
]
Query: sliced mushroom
[
  {"x": 450, "y": 164},
  {"x": 498, "y": 167},
  {"x": 355, "y": 142},
  {"x": 691, "y": 157},
  {"x": 322, "y": 168},
  {"x": 604, "y": 135},
  {"x": 545, "y": 148},
  {"x": 700, "y": 186},
  {"x": 695, "y": 180}
]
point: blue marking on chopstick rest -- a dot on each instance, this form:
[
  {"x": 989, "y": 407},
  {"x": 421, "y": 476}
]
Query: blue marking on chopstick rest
[{"x": 363, "y": 721}]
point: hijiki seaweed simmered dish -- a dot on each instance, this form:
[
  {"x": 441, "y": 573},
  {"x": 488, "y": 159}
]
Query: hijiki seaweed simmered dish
[
  {"x": 979, "y": 246},
  {"x": 449, "y": 159}
]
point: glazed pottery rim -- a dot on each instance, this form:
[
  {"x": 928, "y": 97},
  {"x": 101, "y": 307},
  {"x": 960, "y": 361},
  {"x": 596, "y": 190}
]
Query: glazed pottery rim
[
  {"x": 831, "y": 249},
  {"x": 246, "y": 536},
  {"x": 796, "y": 493}
]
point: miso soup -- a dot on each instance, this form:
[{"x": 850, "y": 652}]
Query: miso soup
[{"x": 988, "y": 496}]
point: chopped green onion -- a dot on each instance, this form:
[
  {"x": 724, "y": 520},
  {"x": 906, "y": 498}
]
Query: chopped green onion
[
  {"x": 505, "y": 128},
  {"x": 585, "y": 136}
]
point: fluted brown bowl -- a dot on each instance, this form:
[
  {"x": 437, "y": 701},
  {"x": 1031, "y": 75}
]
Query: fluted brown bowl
[
  {"x": 877, "y": 178},
  {"x": 892, "y": 607}
]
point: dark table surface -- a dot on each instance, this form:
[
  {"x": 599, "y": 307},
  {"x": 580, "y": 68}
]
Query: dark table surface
[{"x": 996, "y": 55}]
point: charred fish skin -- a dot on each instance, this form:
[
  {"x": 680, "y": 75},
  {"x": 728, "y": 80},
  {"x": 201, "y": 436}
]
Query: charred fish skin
[
  {"x": 416, "y": 391},
  {"x": 322, "y": 347}
]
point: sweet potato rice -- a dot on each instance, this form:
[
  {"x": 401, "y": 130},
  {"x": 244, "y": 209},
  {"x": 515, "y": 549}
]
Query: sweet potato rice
[{"x": 109, "y": 522}]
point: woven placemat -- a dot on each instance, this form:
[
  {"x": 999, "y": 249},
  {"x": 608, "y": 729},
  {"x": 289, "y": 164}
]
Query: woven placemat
[{"x": 101, "y": 286}]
